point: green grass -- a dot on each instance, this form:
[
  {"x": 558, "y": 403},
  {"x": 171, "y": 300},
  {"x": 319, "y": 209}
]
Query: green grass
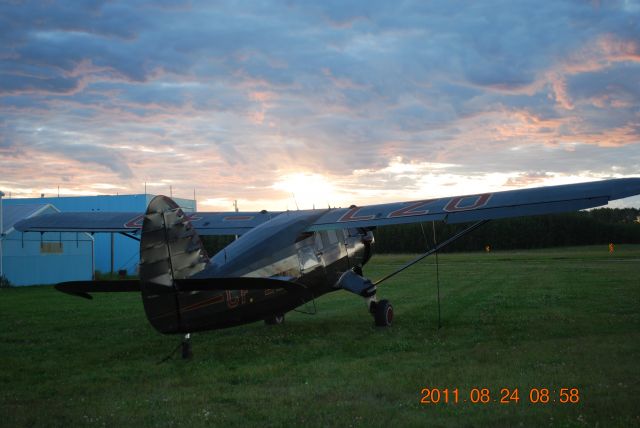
[{"x": 544, "y": 318}]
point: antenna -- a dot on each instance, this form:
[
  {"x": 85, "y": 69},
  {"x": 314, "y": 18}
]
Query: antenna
[
  {"x": 235, "y": 206},
  {"x": 170, "y": 191},
  {"x": 294, "y": 200}
]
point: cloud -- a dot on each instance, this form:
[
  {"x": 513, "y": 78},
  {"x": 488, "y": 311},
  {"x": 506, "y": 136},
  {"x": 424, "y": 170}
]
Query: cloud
[{"x": 231, "y": 98}]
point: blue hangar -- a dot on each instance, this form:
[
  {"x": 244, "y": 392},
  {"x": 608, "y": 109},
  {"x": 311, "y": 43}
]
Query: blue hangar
[
  {"x": 113, "y": 252},
  {"x": 42, "y": 258}
]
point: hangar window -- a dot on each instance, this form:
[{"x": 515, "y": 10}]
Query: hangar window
[{"x": 51, "y": 247}]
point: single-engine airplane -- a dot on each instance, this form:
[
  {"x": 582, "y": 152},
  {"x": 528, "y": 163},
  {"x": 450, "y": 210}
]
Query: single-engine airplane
[{"x": 283, "y": 260}]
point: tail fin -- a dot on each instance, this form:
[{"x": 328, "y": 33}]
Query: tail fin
[{"x": 170, "y": 249}]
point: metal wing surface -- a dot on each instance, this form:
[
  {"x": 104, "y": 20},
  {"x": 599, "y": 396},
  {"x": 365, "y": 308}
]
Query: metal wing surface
[
  {"x": 485, "y": 206},
  {"x": 206, "y": 223}
]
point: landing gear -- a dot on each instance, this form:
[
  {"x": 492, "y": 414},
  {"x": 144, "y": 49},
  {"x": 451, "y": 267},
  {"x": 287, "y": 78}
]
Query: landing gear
[
  {"x": 382, "y": 312},
  {"x": 187, "y": 352},
  {"x": 276, "y": 319},
  {"x": 353, "y": 281}
]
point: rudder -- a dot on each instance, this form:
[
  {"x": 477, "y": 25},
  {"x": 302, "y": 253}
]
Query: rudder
[{"x": 170, "y": 249}]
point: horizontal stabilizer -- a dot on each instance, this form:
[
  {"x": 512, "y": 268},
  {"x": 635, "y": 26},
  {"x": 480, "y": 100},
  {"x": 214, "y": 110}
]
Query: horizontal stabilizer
[
  {"x": 236, "y": 283},
  {"x": 83, "y": 288}
]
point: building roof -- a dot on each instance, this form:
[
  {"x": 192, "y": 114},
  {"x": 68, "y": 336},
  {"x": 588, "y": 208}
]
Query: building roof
[
  {"x": 11, "y": 214},
  {"x": 104, "y": 203}
]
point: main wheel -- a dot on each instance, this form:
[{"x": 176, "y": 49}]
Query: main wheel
[
  {"x": 383, "y": 313},
  {"x": 276, "y": 319}
]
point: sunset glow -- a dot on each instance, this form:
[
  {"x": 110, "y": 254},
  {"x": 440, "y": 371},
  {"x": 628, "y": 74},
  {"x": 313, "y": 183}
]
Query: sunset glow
[
  {"x": 308, "y": 190},
  {"x": 316, "y": 104}
]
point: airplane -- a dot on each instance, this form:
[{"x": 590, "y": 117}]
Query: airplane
[{"x": 282, "y": 260}]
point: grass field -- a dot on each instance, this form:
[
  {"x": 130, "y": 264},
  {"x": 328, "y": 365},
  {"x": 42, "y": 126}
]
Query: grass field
[{"x": 528, "y": 319}]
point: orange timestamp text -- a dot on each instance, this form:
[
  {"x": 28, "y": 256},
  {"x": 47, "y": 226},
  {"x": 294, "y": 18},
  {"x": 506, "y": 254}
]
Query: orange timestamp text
[{"x": 505, "y": 396}]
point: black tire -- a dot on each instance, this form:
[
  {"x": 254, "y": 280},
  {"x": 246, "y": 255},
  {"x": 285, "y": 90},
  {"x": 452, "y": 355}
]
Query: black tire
[
  {"x": 383, "y": 313},
  {"x": 276, "y": 319}
]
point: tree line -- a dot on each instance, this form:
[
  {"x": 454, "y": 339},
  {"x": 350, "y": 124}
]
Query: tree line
[{"x": 598, "y": 226}]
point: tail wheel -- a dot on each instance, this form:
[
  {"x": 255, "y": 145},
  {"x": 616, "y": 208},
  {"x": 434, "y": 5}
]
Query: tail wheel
[
  {"x": 276, "y": 319},
  {"x": 383, "y": 313}
]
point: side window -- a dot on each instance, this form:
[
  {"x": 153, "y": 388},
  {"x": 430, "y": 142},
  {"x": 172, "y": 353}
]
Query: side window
[
  {"x": 325, "y": 239},
  {"x": 308, "y": 258},
  {"x": 329, "y": 238}
]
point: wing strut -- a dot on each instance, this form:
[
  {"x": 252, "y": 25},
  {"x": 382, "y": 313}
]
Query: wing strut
[
  {"x": 435, "y": 242},
  {"x": 438, "y": 247}
]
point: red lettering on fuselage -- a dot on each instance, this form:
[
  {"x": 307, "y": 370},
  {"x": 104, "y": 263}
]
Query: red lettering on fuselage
[
  {"x": 458, "y": 203},
  {"x": 233, "y": 300}
]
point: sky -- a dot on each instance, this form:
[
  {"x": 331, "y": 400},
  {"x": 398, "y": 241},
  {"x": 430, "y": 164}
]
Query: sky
[{"x": 285, "y": 104}]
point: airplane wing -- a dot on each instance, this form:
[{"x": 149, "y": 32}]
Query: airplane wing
[
  {"x": 457, "y": 209},
  {"x": 205, "y": 223},
  {"x": 485, "y": 206}
]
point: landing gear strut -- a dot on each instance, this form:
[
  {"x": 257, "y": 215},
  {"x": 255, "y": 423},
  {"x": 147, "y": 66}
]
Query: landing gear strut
[
  {"x": 353, "y": 281},
  {"x": 187, "y": 352},
  {"x": 382, "y": 312}
]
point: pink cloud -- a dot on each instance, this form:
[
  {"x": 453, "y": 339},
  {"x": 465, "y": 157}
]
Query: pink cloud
[{"x": 601, "y": 53}]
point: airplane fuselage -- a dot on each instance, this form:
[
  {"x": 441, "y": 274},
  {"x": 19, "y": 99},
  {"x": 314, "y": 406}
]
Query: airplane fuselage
[{"x": 280, "y": 248}]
